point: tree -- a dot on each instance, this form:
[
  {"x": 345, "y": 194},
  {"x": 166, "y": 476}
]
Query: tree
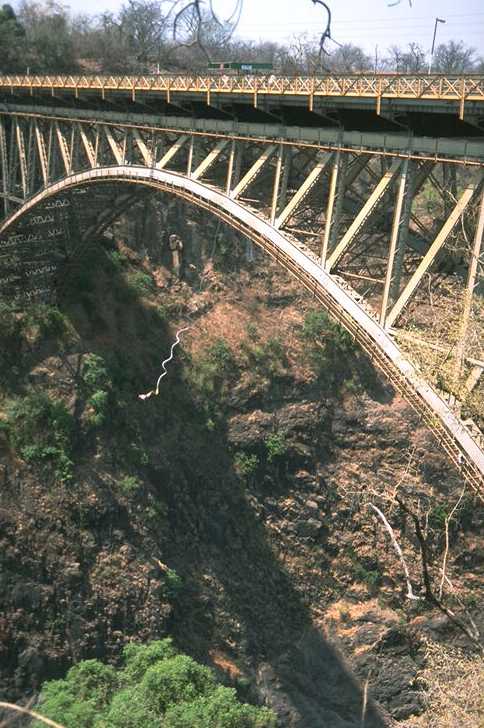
[
  {"x": 453, "y": 57},
  {"x": 157, "y": 687},
  {"x": 144, "y": 27},
  {"x": 406, "y": 61},
  {"x": 12, "y": 35},
  {"x": 49, "y": 45},
  {"x": 348, "y": 58}
]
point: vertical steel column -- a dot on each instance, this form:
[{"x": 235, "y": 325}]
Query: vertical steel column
[
  {"x": 32, "y": 156},
  {"x": 339, "y": 201},
  {"x": 73, "y": 147},
  {"x": 396, "y": 230},
  {"x": 4, "y": 167},
  {"x": 415, "y": 181},
  {"x": 403, "y": 233},
  {"x": 285, "y": 178},
  {"x": 330, "y": 207},
  {"x": 44, "y": 164},
  {"x": 230, "y": 169},
  {"x": 469, "y": 292},
  {"x": 22, "y": 156},
  {"x": 190, "y": 156},
  {"x": 277, "y": 183},
  {"x": 12, "y": 157},
  {"x": 239, "y": 156},
  {"x": 49, "y": 149}
]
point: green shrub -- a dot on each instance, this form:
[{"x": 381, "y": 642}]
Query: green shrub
[
  {"x": 11, "y": 337},
  {"x": 267, "y": 358},
  {"x": 331, "y": 348},
  {"x": 141, "y": 283},
  {"x": 118, "y": 259},
  {"x": 97, "y": 384},
  {"x": 371, "y": 577},
  {"x": 99, "y": 403},
  {"x": 129, "y": 485},
  {"x": 9, "y": 321},
  {"x": 221, "y": 356},
  {"x": 437, "y": 517},
  {"x": 163, "y": 312},
  {"x": 173, "y": 583},
  {"x": 276, "y": 446},
  {"x": 94, "y": 372},
  {"x": 41, "y": 429},
  {"x": 211, "y": 372},
  {"x": 246, "y": 465},
  {"x": 49, "y": 320}
]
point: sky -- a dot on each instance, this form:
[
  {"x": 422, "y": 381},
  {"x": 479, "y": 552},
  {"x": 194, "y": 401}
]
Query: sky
[{"x": 367, "y": 23}]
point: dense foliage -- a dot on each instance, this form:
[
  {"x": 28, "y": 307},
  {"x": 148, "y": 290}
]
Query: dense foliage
[{"x": 157, "y": 686}]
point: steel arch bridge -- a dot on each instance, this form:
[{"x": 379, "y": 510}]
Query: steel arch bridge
[{"x": 339, "y": 210}]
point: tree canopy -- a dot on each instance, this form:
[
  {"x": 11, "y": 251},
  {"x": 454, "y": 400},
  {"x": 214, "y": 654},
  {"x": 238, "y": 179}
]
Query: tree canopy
[{"x": 157, "y": 687}]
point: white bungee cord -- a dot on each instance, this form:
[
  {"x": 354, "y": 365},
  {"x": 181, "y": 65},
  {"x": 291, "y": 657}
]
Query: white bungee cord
[{"x": 156, "y": 391}]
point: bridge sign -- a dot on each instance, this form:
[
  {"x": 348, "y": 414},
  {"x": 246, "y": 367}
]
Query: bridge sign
[{"x": 237, "y": 66}]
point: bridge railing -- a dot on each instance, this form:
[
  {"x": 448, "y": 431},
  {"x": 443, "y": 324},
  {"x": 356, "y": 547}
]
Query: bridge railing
[{"x": 417, "y": 87}]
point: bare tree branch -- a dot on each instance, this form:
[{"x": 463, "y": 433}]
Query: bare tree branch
[
  {"x": 397, "y": 548},
  {"x": 31, "y": 713},
  {"x": 472, "y": 634},
  {"x": 446, "y": 552}
]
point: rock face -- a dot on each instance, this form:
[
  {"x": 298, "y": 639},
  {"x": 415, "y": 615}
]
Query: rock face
[{"x": 229, "y": 512}]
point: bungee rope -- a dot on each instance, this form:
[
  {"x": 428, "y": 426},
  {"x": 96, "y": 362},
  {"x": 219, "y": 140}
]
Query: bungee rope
[{"x": 156, "y": 391}]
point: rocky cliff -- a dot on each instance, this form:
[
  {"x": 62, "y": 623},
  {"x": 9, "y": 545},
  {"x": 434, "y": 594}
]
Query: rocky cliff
[{"x": 233, "y": 510}]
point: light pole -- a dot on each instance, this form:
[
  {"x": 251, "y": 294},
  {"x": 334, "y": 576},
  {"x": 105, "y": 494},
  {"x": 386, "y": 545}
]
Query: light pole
[{"x": 437, "y": 20}]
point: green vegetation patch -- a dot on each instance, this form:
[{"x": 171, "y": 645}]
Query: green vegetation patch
[
  {"x": 212, "y": 371},
  {"x": 41, "y": 429},
  {"x": 97, "y": 385},
  {"x": 156, "y": 688}
]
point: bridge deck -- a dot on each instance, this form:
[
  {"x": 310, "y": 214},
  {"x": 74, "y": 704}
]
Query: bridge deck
[{"x": 445, "y": 93}]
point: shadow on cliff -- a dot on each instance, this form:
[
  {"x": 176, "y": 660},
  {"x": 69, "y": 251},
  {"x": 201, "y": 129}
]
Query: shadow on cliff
[{"x": 237, "y": 592}]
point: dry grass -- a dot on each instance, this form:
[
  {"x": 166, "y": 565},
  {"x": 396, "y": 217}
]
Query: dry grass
[{"x": 454, "y": 688}]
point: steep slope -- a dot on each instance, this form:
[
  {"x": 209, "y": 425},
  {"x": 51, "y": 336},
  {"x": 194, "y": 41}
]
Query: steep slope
[{"x": 231, "y": 511}]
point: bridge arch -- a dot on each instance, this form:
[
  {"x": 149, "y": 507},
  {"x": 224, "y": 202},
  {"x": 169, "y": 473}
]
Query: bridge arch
[{"x": 452, "y": 434}]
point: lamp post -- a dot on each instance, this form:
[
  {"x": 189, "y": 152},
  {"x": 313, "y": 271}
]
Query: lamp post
[{"x": 437, "y": 20}]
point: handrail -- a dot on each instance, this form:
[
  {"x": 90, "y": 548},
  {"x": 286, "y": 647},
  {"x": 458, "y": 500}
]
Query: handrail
[{"x": 409, "y": 86}]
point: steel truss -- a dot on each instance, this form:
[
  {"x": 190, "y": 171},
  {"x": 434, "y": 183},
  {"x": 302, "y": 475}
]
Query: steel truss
[
  {"x": 359, "y": 214},
  {"x": 418, "y": 88}
]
